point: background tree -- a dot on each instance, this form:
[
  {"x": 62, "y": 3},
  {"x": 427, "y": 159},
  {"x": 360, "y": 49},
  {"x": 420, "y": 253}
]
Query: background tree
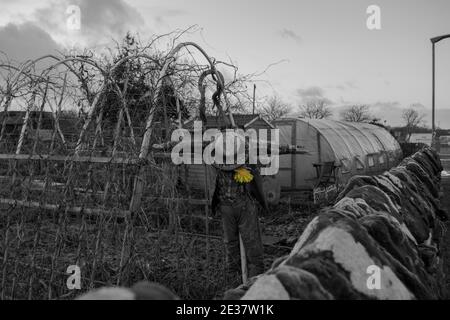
[
  {"x": 138, "y": 76},
  {"x": 412, "y": 120},
  {"x": 274, "y": 108},
  {"x": 315, "y": 109},
  {"x": 132, "y": 73},
  {"x": 357, "y": 113}
]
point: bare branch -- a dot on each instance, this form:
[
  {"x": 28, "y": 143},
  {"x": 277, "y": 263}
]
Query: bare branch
[{"x": 315, "y": 109}]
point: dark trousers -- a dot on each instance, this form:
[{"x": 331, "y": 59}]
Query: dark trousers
[{"x": 241, "y": 218}]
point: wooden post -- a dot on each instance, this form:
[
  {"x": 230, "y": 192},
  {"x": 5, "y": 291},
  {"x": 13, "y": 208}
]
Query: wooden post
[
  {"x": 116, "y": 135},
  {"x": 98, "y": 131},
  {"x": 5, "y": 114},
  {"x": 130, "y": 125},
  {"x": 180, "y": 124},
  {"x": 56, "y": 116},
  {"x": 22, "y": 134},
  {"x": 207, "y": 208},
  {"x": 243, "y": 260},
  {"x": 293, "y": 156},
  {"x": 319, "y": 151},
  {"x": 25, "y": 123},
  {"x": 166, "y": 120},
  {"x": 92, "y": 110},
  {"x": 39, "y": 124},
  {"x": 254, "y": 94}
]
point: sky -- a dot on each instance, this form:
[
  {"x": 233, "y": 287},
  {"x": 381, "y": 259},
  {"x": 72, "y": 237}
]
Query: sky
[{"x": 319, "y": 48}]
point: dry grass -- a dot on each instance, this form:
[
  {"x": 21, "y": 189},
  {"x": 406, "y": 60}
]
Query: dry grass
[{"x": 189, "y": 263}]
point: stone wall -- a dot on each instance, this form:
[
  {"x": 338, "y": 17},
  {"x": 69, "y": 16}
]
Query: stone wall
[{"x": 380, "y": 240}]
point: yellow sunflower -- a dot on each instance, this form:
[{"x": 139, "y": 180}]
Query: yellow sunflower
[{"x": 242, "y": 175}]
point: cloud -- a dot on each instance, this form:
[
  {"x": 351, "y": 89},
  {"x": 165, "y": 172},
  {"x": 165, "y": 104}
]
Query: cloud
[
  {"x": 101, "y": 21},
  {"x": 351, "y": 84},
  {"x": 418, "y": 106},
  {"x": 26, "y": 41},
  {"x": 290, "y": 34},
  {"x": 344, "y": 86},
  {"x": 311, "y": 92},
  {"x": 165, "y": 14}
]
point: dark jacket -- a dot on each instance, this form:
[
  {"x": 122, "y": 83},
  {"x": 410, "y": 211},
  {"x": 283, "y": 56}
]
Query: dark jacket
[{"x": 254, "y": 188}]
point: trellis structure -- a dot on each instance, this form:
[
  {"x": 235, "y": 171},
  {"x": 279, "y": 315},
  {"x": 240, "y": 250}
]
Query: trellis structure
[{"x": 94, "y": 203}]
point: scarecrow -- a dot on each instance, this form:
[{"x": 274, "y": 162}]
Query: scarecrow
[{"x": 237, "y": 194}]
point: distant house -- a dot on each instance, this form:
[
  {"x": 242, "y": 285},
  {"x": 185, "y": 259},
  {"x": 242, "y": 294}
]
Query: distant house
[
  {"x": 399, "y": 134},
  {"x": 421, "y": 136},
  {"x": 415, "y": 135},
  {"x": 424, "y": 138},
  {"x": 243, "y": 121},
  {"x": 15, "y": 119},
  {"x": 444, "y": 144}
]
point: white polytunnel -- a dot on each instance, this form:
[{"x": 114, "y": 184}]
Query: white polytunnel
[{"x": 353, "y": 148}]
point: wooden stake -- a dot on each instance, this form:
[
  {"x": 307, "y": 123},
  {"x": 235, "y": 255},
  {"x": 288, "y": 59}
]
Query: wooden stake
[
  {"x": 254, "y": 95},
  {"x": 243, "y": 260}
]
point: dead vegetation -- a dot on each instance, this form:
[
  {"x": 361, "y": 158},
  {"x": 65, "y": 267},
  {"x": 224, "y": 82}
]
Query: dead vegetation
[{"x": 80, "y": 184}]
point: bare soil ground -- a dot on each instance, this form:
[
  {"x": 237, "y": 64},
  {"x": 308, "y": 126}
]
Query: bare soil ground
[{"x": 280, "y": 231}]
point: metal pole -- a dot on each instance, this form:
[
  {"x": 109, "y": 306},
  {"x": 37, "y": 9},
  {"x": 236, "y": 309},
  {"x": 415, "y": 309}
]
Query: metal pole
[
  {"x": 433, "y": 112},
  {"x": 244, "y": 269}
]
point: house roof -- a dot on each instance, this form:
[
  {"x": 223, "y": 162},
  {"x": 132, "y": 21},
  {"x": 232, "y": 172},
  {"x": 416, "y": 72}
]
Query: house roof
[
  {"x": 421, "y": 138},
  {"x": 241, "y": 120},
  {"x": 17, "y": 117},
  {"x": 13, "y": 117}
]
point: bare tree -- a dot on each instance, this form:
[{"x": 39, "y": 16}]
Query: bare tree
[
  {"x": 412, "y": 120},
  {"x": 315, "y": 109},
  {"x": 274, "y": 108},
  {"x": 357, "y": 113}
]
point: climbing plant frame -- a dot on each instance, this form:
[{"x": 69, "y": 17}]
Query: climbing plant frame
[{"x": 91, "y": 198}]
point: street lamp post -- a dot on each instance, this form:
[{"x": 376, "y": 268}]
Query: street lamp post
[{"x": 433, "y": 110}]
